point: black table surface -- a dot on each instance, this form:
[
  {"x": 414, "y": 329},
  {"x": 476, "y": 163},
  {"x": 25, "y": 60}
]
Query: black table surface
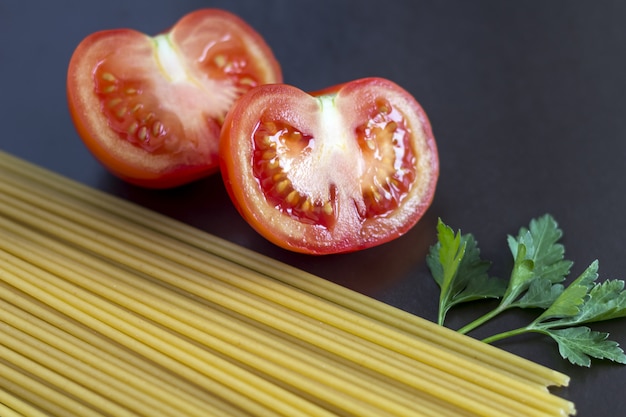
[{"x": 527, "y": 100}]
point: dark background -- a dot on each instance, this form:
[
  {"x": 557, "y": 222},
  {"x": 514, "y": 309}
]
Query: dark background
[{"x": 527, "y": 100}]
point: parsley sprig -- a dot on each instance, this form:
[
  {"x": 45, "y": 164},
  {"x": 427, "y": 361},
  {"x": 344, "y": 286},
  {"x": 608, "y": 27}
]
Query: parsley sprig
[{"x": 536, "y": 282}]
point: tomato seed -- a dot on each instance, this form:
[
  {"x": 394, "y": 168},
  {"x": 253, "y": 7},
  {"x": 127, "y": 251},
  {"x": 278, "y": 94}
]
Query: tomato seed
[
  {"x": 282, "y": 186},
  {"x": 132, "y": 129},
  {"x": 143, "y": 133},
  {"x": 265, "y": 141},
  {"x": 114, "y": 102},
  {"x": 219, "y": 61},
  {"x": 270, "y": 127},
  {"x": 157, "y": 128},
  {"x": 273, "y": 164},
  {"x": 268, "y": 154},
  {"x": 279, "y": 176},
  {"x": 391, "y": 127},
  {"x": 121, "y": 112},
  {"x": 247, "y": 81},
  {"x": 306, "y": 205},
  {"x": 107, "y": 76},
  {"x": 148, "y": 117},
  {"x": 383, "y": 106},
  {"x": 293, "y": 198}
]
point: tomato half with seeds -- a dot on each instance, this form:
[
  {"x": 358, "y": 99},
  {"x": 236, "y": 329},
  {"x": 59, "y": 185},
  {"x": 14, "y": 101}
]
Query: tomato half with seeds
[
  {"x": 150, "y": 108},
  {"x": 340, "y": 170}
]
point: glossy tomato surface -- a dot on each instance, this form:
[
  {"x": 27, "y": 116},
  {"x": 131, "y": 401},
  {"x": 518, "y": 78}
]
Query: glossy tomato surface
[
  {"x": 150, "y": 108},
  {"x": 339, "y": 170}
]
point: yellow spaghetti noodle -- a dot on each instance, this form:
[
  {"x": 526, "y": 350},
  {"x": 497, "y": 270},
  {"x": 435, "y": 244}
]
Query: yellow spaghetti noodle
[{"x": 107, "y": 308}]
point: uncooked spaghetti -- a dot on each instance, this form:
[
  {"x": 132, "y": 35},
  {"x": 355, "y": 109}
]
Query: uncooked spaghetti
[{"x": 112, "y": 309}]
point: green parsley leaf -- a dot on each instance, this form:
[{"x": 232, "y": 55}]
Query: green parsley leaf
[
  {"x": 521, "y": 277},
  {"x": 607, "y": 301},
  {"x": 580, "y": 344},
  {"x": 541, "y": 241},
  {"x": 540, "y": 294},
  {"x": 569, "y": 302},
  {"x": 536, "y": 281},
  {"x": 461, "y": 274},
  {"x": 538, "y": 269},
  {"x": 583, "y": 301}
]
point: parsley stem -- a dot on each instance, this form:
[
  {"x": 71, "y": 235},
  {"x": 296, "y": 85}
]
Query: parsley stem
[
  {"x": 504, "y": 335},
  {"x": 441, "y": 316},
  {"x": 532, "y": 327},
  {"x": 480, "y": 321}
]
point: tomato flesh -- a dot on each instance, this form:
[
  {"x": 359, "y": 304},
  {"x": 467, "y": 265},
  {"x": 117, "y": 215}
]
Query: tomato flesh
[
  {"x": 384, "y": 143},
  {"x": 277, "y": 151},
  {"x": 151, "y": 108},
  {"x": 134, "y": 113},
  {"x": 344, "y": 169}
]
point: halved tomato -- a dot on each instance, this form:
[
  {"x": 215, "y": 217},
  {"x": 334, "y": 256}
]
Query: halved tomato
[
  {"x": 339, "y": 170},
  {"x": 151, "y": 108}
]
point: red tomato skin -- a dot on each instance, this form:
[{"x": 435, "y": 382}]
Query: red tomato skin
[
  {"x": 237, "y": 175},
  {"x": 136, "y": 166}
]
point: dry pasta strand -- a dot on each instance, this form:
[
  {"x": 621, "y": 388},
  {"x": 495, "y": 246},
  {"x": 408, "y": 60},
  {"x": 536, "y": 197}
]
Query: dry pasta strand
[
  {"x": 13, "y": 406},
  {"x": 39, "y": 320},
  {"x": 142, "y": 291},
  {"x": 425, "y": 379},
  {"x": 137, "y": 292},
  {"x": 108, "y": 308},
  {"x": 484, "y": 353},
  {"x": 80, "y": 304}
]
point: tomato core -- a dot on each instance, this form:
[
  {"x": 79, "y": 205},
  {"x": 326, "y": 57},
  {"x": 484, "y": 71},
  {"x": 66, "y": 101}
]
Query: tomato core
[
  {"x": 384, "y": 142},
  {"x": 278, "y": 147}
]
